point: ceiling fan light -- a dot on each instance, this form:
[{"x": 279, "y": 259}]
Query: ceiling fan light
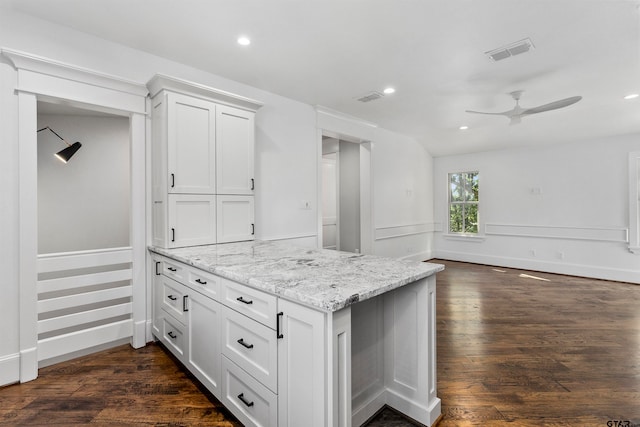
[{"x": 67, "y": 153}]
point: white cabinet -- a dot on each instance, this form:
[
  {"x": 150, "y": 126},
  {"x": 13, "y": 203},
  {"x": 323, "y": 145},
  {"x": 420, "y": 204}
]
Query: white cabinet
[
  {"x": 203, "y": 320},
  {"x": 235, "y": 218},
  {"x": 234, "y": 151},
  {"x": 302, "y": 366},
  {"x": 202, "y": 149},
  {"x": 265, "y": 358},
  {"x": 191, "y": 144},
  {"x": 192, "y": 220}
]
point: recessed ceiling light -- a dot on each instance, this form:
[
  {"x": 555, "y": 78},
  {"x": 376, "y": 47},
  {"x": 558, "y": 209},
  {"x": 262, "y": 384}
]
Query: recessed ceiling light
[
  {"x": 632, "y": 96},
  {"x": 389, "y": 90},
  {"x": 244, "y": 41},
  {"x": 463, "y": 127}
]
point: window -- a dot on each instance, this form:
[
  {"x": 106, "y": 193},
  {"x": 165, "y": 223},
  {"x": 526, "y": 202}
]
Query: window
[{"x": 463, "y": 202}]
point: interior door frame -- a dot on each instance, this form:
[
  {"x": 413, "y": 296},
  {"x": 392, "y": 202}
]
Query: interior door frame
[{"x": 44, "y": 79}]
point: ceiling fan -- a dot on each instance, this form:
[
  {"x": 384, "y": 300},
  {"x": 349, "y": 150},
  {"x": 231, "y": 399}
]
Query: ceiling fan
[{"x": 517, "y": 112}]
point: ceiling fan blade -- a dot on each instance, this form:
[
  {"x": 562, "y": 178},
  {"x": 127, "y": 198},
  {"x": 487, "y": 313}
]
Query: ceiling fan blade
[
  {"x": 505, "y": 113},
  {"x": 552, "y": 105}
]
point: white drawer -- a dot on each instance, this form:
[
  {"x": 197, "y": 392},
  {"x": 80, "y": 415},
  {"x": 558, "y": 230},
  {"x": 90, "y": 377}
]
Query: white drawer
[
  {"x": 174, "y": 269},
  {"x": 173, "y": 298},
  {"x": 252, "y": 346},
  {"x": 173, "y": 336},
  {"x": 256, "y": 304},
  {"x": 205, "y": 283},
  {"x": 246, "y": 398}
]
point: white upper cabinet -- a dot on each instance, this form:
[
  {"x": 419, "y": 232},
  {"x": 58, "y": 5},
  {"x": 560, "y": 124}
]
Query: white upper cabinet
[
  {"x": 191, "y": 131},
  {"x": 202, "y": 149},
  {"x": 234, "y": 151}
]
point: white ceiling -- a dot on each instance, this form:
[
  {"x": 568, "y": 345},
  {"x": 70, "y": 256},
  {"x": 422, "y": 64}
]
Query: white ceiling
[{"x": 328, "y": 52}]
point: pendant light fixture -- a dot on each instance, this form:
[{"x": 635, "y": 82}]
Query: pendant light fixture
[{"x": 65, "y": 154}]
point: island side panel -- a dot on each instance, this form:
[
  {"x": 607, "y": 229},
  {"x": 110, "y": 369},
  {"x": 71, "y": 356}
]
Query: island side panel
[
  {"x": 367, "y": 368},
  {"x": 410, "y": 350}
]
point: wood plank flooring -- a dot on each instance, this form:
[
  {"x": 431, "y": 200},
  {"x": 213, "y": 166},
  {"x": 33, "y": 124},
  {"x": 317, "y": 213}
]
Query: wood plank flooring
[{"x": 515, "y": 348}]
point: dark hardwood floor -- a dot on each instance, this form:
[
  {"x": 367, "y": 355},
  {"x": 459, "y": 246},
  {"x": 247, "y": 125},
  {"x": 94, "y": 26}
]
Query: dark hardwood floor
[{"x": 515, "y": 348}]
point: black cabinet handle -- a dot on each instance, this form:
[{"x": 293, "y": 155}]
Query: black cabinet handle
[
  {"x": 172, "y": 269},
  {"x": 253, "y": 186},
  {"x": 172, "y": 298},
  {"x": 157, "y": 265},
  {"x": 242, "y": 300},
  {"x": 184, "y": 303},
  {"x": 253, "y": 229},
  {"x": 244, "y": 344},
  {"x": 245, "y": 401},
  {"x": 202, "y": 282},
  {"x": 172, "y": 335},
  {"x": 173, "y": 180},
  {"x": 278, "y": 330},
  {"x": 173, "y": 234}
]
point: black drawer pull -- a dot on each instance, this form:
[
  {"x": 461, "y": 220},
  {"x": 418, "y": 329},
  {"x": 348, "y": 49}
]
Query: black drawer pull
[
  {"x": 171, "y": 297},
  {"x": 245, "y": 401},
  {"x": 173, "y": 180},
  {"x": 172, "y": 335},
  {"x": 253, "y": 229},
  {"x": 157, "y": 265},
  {"x": 244, "y": 344},
  {"x": 184, "y": 303},
  {"x": 202, "y": 282},
  {"x": 279, "y": 333},
  {"x": 173, "y": 234},
  {"x": 253, "y": 184},
  {"x": 172, "y": 269},
  {"x": 244, "y": 300}
]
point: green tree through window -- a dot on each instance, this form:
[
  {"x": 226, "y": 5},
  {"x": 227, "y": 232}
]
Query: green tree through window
[{"x": 463, "y": 202}]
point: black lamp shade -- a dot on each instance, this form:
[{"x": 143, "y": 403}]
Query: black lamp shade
[{"x": 68, "y": 152}]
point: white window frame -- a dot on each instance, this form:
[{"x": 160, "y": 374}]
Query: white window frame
[{"x": 463, "y": 203}]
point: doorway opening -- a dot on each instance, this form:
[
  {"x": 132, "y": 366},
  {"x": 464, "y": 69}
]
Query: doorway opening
[
  {"x": 345, "y": 193},
  {"x": 84, "y": 287}
]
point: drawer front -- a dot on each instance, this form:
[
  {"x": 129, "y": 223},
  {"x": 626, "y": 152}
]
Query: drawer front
[
  {"x": 173, "y": 269},
  {"x": 252, "y": 346},
  {"x": 204, "y": 282},
  {"x": 246, "y": 398},
  {"x": 174, "y": 298},
  {"x": 253, "y": 303},
  {"x": 173, "y": 336}
]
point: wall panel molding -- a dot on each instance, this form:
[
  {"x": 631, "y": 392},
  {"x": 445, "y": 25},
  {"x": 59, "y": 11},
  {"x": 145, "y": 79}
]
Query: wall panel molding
[
  {"x": 396, "y": 231},
  {"x": 598, "y": 234}
]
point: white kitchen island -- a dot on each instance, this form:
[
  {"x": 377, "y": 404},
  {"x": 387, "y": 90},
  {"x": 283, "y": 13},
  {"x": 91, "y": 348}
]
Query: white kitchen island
[{"x": 290, "y": 336}]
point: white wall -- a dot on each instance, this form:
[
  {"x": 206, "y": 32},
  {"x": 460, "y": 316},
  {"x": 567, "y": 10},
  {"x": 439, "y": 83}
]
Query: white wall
[
  {"x": 83, "y": 204},
  {"x": 570, "y": 204},
  {"x": 402, "y": 197}
]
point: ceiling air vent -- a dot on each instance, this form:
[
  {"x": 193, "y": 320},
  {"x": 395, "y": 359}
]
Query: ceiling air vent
[
  {"x": 371, "y": 96},
  {"x": 510, "y": 50}
]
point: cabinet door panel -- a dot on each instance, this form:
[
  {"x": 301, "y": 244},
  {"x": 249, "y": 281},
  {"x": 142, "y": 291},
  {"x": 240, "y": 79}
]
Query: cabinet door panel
[
  {"x": 301, "y": 366},
  {"x": 235, "y": 219},
  {"x": 192, "y": 220},
  {"x": 234, "y": 150},
  {"x": 204, "y": 340},
  {"x": 191, "y": 145}
]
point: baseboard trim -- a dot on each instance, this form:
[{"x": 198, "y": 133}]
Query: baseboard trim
[
  {"x": 580, "y": 270},
  {"x": 9, "y": 369}
]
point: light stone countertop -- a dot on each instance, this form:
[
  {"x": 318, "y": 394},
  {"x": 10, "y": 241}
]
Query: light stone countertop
[{"x": 321, "y": 278}]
